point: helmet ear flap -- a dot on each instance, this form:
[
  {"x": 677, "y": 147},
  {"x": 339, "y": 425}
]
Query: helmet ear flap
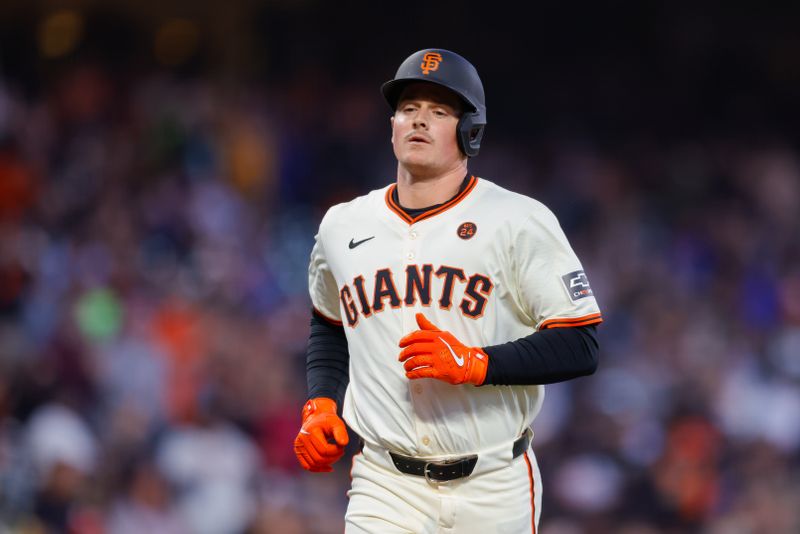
[{"x": 470, "y": 133}]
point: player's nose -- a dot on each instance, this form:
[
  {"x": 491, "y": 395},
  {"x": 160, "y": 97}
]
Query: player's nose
[{"x": 420, "y": 120}]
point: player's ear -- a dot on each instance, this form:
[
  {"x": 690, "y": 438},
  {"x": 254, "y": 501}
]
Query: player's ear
[{"x": 391, "y": 121}]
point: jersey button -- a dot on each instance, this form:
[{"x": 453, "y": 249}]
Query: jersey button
[
  {"x": 412, "y": 234},
  {"x": 426, "y": 441},
  {"x": 410, "y": 256},
  {"x": 417, "y": 388}
]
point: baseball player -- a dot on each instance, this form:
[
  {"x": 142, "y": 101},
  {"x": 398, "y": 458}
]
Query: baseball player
[{"x": 442, "y": 305}]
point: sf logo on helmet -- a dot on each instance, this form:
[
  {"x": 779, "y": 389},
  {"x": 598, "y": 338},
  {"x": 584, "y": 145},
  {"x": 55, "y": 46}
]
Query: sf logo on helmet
[{"x": 430, "y": 62}]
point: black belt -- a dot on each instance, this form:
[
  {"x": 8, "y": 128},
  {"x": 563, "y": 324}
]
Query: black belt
[{"x": 445, "y": 470}]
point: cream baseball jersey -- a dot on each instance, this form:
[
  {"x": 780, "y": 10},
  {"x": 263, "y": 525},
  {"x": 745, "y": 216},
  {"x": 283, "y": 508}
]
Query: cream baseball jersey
[{"x": 490, "y": 266}]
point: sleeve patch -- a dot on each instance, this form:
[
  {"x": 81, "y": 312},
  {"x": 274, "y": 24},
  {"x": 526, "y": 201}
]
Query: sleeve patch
[{"x": 577, "y": 285}]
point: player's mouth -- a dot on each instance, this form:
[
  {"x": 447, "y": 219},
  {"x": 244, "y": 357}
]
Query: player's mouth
[{"x": 417, "y": 138}]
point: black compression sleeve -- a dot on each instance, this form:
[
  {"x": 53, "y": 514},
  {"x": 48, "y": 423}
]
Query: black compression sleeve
[
  {"x": 327, "y": 360},
  {"x": 544, "y": 357}
]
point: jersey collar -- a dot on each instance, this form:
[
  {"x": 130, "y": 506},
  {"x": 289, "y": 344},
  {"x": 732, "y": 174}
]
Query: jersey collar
[{"x": 395, "y": 207}]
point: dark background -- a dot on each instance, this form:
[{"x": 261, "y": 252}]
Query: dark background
[{"x": 164, "y": 167}]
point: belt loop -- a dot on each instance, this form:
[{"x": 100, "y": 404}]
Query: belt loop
[{"x": 522, "y": 443}]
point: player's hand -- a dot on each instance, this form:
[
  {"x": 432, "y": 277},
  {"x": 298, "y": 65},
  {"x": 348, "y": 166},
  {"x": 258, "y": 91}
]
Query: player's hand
[
  {"x": 322, "y": 438},
  {"x": 432, "y": 353}
]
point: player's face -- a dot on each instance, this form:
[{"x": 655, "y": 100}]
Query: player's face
[{"x": 424, "y": 129}]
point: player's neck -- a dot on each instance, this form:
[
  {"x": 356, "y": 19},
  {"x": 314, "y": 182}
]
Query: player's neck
[{"x": 420, "y": 191}]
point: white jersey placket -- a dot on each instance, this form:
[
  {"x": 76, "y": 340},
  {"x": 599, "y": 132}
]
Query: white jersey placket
[{"x": 412, "y": 243}]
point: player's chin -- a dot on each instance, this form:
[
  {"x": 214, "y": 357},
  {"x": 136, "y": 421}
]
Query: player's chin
[{"x": 418, "y": 163}]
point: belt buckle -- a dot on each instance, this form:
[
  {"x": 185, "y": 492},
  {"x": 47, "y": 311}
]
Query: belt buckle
[
  {"x": 426, "y": 473},
  {"x": 444, "y": 463}
]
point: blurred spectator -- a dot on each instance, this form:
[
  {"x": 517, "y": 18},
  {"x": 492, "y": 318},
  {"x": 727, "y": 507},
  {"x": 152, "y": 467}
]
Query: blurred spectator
[
  {"x": 146, "y": 504},
  {"x": 214, "y": 467},
  {"x": 63, "y": 455}
]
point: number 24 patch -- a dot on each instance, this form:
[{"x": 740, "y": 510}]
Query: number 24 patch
[{"x": 467, "y": 230}]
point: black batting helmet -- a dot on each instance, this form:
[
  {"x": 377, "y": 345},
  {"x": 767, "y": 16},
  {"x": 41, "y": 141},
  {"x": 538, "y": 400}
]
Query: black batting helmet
[{"x": 452, "y": 71}]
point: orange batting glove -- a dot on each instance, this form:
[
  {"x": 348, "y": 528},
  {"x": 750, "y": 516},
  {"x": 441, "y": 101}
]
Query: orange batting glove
[
  {"x": 432, "y": 353},
  {"x": 322, "y": 438}
]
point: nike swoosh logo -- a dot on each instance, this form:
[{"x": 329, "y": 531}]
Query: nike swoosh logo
[
  {"x": 354, "y": 244},
  {"x": 459, "y": 361}
]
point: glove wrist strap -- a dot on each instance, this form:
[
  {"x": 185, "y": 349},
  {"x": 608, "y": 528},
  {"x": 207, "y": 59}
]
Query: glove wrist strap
[
  {"x": 318, "y": 405},
  {"x": 479, "y": 367}
]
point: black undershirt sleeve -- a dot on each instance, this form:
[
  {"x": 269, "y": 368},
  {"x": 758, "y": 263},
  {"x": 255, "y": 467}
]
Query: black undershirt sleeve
[
  {"x": 544, "y": 357},
  {"x": 327, "y": 360}
]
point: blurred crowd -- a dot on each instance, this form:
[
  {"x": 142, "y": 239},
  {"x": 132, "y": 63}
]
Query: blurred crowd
[{"x": 154, "y": 239}]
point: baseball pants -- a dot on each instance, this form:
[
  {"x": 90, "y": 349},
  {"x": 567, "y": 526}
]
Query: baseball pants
[{"x": 503, "y": 495}]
